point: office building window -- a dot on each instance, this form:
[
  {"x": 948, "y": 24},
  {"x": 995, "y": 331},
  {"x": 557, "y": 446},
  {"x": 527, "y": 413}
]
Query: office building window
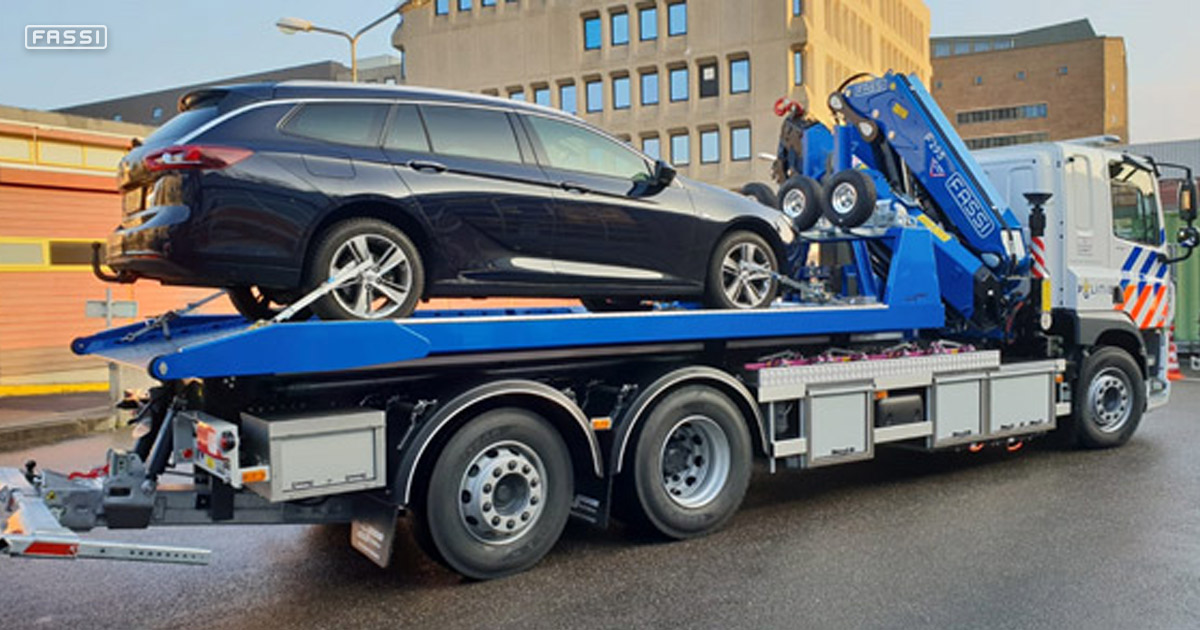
[
  {"x": 709, "y": 85},
  {"x": 441, "y": 7},
  {"x": 797, "y": 7},
  {"x": 649, "y": 88},
  {"x": 739, "y": 143},
  {"x": 681, "y": 148},
  {"x": 983, "y": 46},
  {"x": 648, "y": 23},
  {"x": 797, "y": 67},
  {"x": 487, "y": 3},
  {"x": 118, "y": 117},
  {"x": 464, "y": 5},
  {"x": 978, "y": 80},
  {"x": 941, "y": 50},
  {"x": 1020, "y": 75},
  {"x": 652, "y": 147},
  {"x": 739, "y": 76},
  {"x": 541, "y": 96},
  {"x": 566, "y": 98},
  {"x": 679, "y": 84},
  {"x": 1003, "y": 44},
  {"x": 591, "y": 33},
  {"x": 677, "y": 19},
  {"x": 962, "y": 48},
  {"x": 1001, "y": 114},
  {"x": 1062, "y": 71},
  {"x": 517, "y": 95},
  {"x": 595, "y": 96},
  {"x": 157, "y": 113},
  {"x": 620, "y": 89},
  {"x": 710, "y": 146},
  {"x": 620, "y": 29}
]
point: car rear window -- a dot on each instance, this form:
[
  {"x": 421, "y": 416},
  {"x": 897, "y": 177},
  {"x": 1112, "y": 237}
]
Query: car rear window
[
  {"x": 343, "y": 123},
  {"x": 469, "y": 132},
  {"x": 179, "y": 126}
]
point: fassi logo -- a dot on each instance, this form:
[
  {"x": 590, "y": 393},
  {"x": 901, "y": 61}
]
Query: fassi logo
[{"x": 58, "y": 37}]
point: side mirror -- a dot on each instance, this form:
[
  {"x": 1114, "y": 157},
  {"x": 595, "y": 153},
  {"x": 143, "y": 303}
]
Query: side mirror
[
  {"x": 1188, "y": 237},
  {"x": 662, "y": 177},
  {"x": 664, "y": 174},
  {"x": 1187, "y": 200}
]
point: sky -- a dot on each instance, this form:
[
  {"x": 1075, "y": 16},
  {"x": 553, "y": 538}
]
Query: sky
[{"x": 155, "y": 44}]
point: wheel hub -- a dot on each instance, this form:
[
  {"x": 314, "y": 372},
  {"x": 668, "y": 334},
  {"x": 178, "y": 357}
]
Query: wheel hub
[
  {"x": 695, "y": 461},
  {"x": 383, "y": 287},
  {"x": 844, "y": 197},
  {"x": 745, "y": 278},
  {"x": 793, "y": 203},
  {"x": 1110, "y": 399},
  {"x": 500, "y": 496}
]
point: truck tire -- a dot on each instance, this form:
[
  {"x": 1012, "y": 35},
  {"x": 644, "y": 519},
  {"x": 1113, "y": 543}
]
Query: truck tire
[
  {"x": 1110, "y": 397},
  {"x": 398, "y": 276},
  {"x": 498, "y": 495},
  {"x": 849, "y": 199},
  {"x": 691, "y": 464},
  {"x": 800, "y": 200},
  {"x": 729, "y": 286},
  {"x": 761, "y": 193}
]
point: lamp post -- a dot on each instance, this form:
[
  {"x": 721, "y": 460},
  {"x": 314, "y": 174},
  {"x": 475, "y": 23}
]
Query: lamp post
[{"x": 291, "y": 26}]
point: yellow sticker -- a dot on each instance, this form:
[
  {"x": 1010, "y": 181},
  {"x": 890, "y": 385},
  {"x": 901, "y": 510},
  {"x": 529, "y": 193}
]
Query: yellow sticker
[
  {"x": 899, "y": 110},
  {"x": 933, "y": 227}
]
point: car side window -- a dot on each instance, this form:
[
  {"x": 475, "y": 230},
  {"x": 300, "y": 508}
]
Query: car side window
[
  {"x": 344, "y": 123},
  {"x": 574, "y": 148},
  {"x": 470, "y": 132},
  {"x": 405, "y": 131},
  {"x": 1134, "y": 206}
]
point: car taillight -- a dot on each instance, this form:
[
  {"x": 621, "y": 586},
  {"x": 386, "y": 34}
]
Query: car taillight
[{"x": 186, "y": 156}]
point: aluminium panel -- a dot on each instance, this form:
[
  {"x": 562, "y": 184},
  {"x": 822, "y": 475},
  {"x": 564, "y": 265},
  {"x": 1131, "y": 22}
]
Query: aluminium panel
[{"x": 790, "y": 382}]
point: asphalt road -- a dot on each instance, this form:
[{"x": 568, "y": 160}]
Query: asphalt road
[{"x": 1037, "y": 539}]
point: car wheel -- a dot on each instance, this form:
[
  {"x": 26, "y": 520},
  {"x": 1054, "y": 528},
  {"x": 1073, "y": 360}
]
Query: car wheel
[
  {"x": 741, "y": 273},
  {"x": 255, "y": 304},
  {"x": 1110, "y": 396},
  {"x": 849, "y": 199},
  {"x": 691, "y": 464},
  {"x": 761, "y": 193},
  {"x": 498, "y": 495},
  {"x": 800, "y": 200},
  {"x": 392, "y": 283}
]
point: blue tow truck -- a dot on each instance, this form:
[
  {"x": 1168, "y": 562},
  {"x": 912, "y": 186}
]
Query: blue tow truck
[{"x": 964, "y": 317}]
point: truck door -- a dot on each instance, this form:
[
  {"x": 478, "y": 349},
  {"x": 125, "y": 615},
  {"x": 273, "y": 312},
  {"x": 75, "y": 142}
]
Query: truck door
[{"x": 1138, "y": 239}]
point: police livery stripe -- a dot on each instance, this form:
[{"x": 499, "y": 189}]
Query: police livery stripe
[{"x": 1147, "y": 296}]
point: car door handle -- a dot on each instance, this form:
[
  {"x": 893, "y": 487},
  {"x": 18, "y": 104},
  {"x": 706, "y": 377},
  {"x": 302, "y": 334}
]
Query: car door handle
[
  {"x": 423, "y": 165},
  {"x": 573, "y": 187}
]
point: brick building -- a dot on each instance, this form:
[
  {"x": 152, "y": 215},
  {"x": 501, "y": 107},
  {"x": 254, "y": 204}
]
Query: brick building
[{"x": 1055, "y": 83}]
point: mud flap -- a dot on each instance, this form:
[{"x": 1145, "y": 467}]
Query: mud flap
[{"x": 373, "y": 531}]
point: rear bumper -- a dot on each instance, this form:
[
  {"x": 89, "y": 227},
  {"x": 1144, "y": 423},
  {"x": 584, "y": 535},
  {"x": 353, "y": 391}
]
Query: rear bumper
[{"x": 143, "y": 246}]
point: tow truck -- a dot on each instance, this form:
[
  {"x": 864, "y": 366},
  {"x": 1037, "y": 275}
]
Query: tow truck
[{"x": 982, "y": 303}]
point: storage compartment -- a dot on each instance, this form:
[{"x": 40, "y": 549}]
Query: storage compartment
[
  {"x": 1021, "y": 400},
  {"x": 957, "y": 410},
  {"x": 839, "y": 426},
  {"x": 318, "y": 453}
]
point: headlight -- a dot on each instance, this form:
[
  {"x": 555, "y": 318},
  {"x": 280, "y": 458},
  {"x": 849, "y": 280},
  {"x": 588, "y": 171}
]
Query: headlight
[{"x": 783, "y": 226}]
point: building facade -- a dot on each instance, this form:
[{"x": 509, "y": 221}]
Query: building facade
[
  {"x": 1060, "y": 82},
  {"x": 693, "y": 82}
]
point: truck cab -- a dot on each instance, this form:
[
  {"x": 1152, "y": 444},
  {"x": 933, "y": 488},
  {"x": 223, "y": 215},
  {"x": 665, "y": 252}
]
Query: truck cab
[{"x": 1105, "y": 246}]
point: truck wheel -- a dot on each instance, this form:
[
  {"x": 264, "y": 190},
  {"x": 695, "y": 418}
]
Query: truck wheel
[
  {"x": 731, "y": 285},
  {"x": 849, "y": 199},
  {"x": 691, "y": 464},
  {"x": 1110, "y": 396},
  {"x": 761, "y": 193},
  {"x": 391, "y": 285},
  {"x": 498, "y": 496},
  {"x": 800, "y": 200}
]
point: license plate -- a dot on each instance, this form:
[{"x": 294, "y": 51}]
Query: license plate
[{"x": 132, "y": 201}]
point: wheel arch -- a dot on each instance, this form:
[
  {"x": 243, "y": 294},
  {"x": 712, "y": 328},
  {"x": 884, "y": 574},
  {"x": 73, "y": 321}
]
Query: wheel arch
[
  {"x": 673, "y": 380},
  {"x": 1093, "y": 330},
  {"x": 761, "y": 228},
  {"x": 564, "y": 415},
  {"x": 401, "y": 215}
]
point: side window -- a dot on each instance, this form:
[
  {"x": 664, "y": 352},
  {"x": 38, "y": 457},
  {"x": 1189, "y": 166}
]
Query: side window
[
  {"x": 473, "y": 133},
  {"x": 571, "y": 147},
  {"x": 1134, "y": 205},
  {"x": 343, "y": 123},
  {"x": 405, "y": 132}
]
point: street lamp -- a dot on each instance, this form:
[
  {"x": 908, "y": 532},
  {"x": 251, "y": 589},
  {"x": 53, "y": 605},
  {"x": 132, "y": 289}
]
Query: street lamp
[{"x": 291, "y": 26}]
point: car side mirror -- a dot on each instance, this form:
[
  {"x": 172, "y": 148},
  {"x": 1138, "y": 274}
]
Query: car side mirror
[
  {"x": 664, "y": 174},
  {"x": 1187, "y": 200},
  {"x": 658, "y": 181}
]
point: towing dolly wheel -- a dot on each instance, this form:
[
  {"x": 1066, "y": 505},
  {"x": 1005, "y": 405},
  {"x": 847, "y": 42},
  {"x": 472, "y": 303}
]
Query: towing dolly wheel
[
  {"x": 740, "y": 275},
  {"x": 849, "y": 199},
  {"x": 691, "y": 464},
  {"x": 800, "y": 200},
  {"x": 498, "y": 496},
  {"x": 1109, "y": 399},
  {"x": 390, "y": 286}
]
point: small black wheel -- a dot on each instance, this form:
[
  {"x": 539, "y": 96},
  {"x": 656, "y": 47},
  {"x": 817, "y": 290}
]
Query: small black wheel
[
  {"x": 691, "y": 464},
  {"x": 614, "y": 305},
  {"x": 761, "y": 193},
  {"x": 741, "y": 274},
  {"x": 800, "y": 200},
  {"x": 393, "y": 279},
  {"x": 255, "y": 304},
  {"x": 1109, "y": 399},
  {"x": 849, "y": 199},
  {"x": 498, "y": 496}
]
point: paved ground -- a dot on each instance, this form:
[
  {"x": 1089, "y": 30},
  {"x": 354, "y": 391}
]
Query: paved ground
[
  {"x": 30, "y": 420},
  {"x": 1039, "y": 539}
]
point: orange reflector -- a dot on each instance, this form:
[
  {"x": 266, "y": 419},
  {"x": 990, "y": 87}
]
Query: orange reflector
[
  {"x": 976, "y": 447},
  {"x": 1058, "y": 378},
  {"x": 601, "y": 424},
  {"x": 881, "y": 394},
  {"x": 254, "y": 475},
  {"x": 1013, "y": 447}
]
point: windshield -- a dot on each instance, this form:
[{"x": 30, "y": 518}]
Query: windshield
[{"x": 179, "y": 126}]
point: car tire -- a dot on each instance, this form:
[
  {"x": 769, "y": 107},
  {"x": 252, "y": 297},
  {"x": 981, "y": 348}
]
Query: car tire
[
  {"x": 1110, "y": 397},
  {"x": 391, "y": 294},
  {"x": 761, "y": 193},
  {"x": 849, "y": 199},
  {"x": 730, "y": 287},
  {"x": 459, "y": 518},
  {"x": 691, "y": 464},
  {"x": 800, "y": 200},
  {"x": 256, "y": 305}
]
